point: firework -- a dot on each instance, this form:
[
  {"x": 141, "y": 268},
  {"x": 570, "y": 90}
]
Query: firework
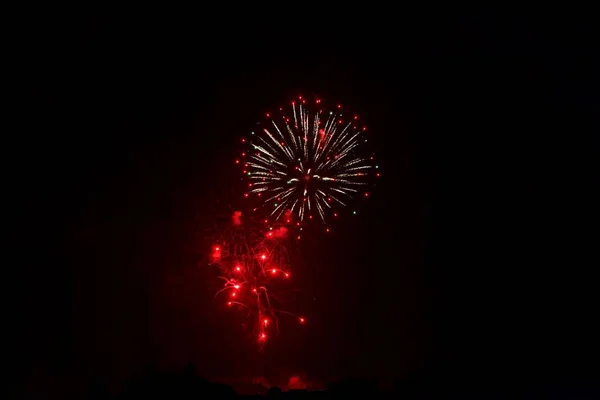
[
  {"x": 254, "y": 265},
  {"x": 305, "y": 160},
  {"x": 299, "y": 164}
]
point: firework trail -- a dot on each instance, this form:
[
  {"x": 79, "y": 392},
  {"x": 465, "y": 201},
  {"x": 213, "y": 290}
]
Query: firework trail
[
  {"x": 306, "y": 159},
  {"x": 253, "y": 260}
]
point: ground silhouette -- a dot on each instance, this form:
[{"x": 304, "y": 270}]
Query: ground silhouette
[{"x": 187, "y": 383}]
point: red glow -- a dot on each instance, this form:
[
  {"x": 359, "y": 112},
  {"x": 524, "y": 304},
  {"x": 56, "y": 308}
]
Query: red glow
[
  {"x": 378, "y": 174},
  {"x": 242, "y": 265}
]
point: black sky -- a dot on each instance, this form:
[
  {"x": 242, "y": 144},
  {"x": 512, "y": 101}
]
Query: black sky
[{"x": 474, "y": 259}]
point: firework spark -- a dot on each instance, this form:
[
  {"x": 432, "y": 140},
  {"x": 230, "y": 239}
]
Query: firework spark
[
  {"x": 254, "y": 265},
  {"x": 306, "y": 159}
]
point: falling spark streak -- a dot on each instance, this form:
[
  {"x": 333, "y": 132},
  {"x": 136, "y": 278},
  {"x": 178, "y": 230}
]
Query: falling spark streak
[{"x": 320, "y": 209}]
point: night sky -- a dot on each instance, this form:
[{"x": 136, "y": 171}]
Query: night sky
[{"x": 473, "y": 260}]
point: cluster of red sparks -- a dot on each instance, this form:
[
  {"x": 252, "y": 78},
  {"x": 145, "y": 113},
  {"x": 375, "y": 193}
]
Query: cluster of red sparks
[
  {"x": 298, "y": 166},
  {"x": 252, "y": 260}
]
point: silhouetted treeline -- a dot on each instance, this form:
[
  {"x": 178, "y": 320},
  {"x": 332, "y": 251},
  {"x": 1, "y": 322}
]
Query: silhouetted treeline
[
  {"x": 188, "y": 384},
  {"x": 165, "y": 385}
]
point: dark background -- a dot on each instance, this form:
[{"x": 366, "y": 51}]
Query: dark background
[{"x": 473, "y": 261}]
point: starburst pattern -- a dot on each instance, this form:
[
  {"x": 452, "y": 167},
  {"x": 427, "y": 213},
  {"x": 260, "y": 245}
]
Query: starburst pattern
[{"x": 306, "y": 159}]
